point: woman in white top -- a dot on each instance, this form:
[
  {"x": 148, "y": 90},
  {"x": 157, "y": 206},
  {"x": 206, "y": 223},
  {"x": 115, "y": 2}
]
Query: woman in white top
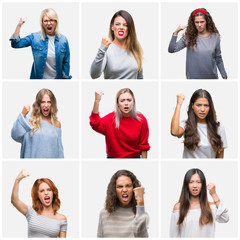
[
  {"x": 120, "y": 55},
  {"x": 194, "y": 215},
  {"x": 204, "y": 136}
]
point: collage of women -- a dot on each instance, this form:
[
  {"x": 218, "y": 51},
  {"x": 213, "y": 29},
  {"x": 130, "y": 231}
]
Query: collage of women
[{"x": 119, "y": 119}]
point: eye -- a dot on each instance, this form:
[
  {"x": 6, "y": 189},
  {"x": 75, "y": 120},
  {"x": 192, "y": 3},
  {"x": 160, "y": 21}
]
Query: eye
[{"x": 119, "y": 187}]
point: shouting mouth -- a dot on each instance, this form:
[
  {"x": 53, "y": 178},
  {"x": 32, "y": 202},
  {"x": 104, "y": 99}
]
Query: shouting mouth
[
  {"x": 120, "y": 33},
  {"x": 47, "y": 199},
  {"x": 125, "y": 197}
]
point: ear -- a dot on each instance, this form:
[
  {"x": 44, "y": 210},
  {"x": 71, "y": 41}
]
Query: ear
[{"x": 112, "y": 27}]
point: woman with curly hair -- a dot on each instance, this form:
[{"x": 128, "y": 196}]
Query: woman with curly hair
[
  {"x": 43, "y": 218},
  {"x": 124, "y": 214},
  {"x": 41, "y": 134},
  {"x": 120, "y": 55},
  {"x": 50, "y": 49},
  {"x": 125, "y": 130},
  {"x": 194, "y": 215},
  {"x": 204, "y": 136},
  {"x": 202, "y": 40}
]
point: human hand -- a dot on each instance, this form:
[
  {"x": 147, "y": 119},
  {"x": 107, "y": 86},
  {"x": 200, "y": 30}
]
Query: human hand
[
  {"x": 24, "y": 173},
  {"x": 98, "y": 95},
  {"x": 211, "y": 188},
  {"x": 180, "y": 28},
  {"x": 106, "y": 41},
  {"x": 26, "y": 110},
  {"x": 22, "y": 21},
  {"x": 180, "y": 98},
  {"x": 138, "y": 192}
]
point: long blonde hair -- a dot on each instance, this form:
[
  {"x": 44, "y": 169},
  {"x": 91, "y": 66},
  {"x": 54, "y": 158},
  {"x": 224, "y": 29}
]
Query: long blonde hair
[
  {"x": 132, "y": 43},
  {"x": 36, "y": 116},
  {"x": 50, "y": 13},
  {"x": 118, "y": 112}
]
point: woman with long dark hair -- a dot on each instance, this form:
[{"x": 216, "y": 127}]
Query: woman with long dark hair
[
  {"x": 194, "y": 215},
  {"x": 43, "y": 218},
  {"x": 124, "y": 214},
  {"x": 120, "y": 54},
  {"x": 125, "y": 130},
  {"x": 204, "y": 136},
  {"x": 40, "y": 135},
  {"x": 202, "y": 40}
]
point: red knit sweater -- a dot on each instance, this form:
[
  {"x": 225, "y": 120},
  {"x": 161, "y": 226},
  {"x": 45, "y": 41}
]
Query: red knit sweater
[{"x": 128, "y": 141}]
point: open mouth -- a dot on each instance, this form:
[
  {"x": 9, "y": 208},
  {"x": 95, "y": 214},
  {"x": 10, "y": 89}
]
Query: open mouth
[
  {"x": 126, "y": 108},
  {"x": 49, "y": 28},
  {"x": 195, "y": 191},
  {"x": 125, "y": 197},
  {"x": 120, "y": 33},
  {"x": 47, "y": 199},
  {"x": 45, "y": 111}
]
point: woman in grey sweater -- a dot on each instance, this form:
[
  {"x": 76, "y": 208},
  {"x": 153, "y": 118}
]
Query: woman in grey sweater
[
  {"x": 202, "y": 40},
  {"x": 120, "y": 55},
  {"x": 43, "y": 219}
]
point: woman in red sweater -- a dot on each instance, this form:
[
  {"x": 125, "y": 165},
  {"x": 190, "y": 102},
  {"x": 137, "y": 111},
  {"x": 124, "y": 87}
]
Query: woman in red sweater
[{"x": 125, "y": 130}]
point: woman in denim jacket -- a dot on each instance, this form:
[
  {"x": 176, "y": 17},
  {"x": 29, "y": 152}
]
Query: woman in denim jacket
[{"x": 50, "y": 49}]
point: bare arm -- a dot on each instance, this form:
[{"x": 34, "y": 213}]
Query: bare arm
[
  {"x": 144, "y": 154},
  {"x": 212, "y": 191},
  {"x": 176, "y": 130},
  {"x": 98, "y": 96},
  {"x": 19, "y": 25},
  {"x": 17, "y": 203},
  {"x": 62, "y": 234}
]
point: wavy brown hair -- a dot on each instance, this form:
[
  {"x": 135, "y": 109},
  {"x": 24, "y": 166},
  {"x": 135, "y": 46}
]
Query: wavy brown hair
[
  {"x": 184, "y": 200},
  {"x": 191, "y": 32},
  {"x": 131, "y": 39},
  {"x": 36, "y": 116},
  {"x": 36, "y": 203},
  {"x": 112, "y": 201},
  {"x": 191, "y": 136}
]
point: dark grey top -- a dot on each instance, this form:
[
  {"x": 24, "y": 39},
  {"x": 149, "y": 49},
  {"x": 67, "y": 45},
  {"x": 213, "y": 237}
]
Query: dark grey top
[{"x": 203, "y": 60}]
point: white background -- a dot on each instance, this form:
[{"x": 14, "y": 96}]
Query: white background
[
  {"x": 95, "y": 25},
  {"x": 17, "y": 63},
  {"x": 225, "y": 18},
  {"x": 95, "y": 188}
]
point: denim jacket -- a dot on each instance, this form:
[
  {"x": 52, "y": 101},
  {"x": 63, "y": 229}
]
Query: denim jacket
[{"x": 40, "y": 49}]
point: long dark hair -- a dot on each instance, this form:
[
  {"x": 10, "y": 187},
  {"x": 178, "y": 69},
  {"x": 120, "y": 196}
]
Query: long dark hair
[
  {"x": 191, "y": 136},
  {"x": 112, "y": 201},
  {"x": 192, "y": 32},
  {"x": 184, "y": 200}
]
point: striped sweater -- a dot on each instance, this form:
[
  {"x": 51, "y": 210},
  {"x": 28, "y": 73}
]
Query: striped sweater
[{"x": 123, "y": 223}]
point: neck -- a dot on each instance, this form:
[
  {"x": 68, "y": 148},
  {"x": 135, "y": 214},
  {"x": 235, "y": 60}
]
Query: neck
[
  {"x": 202, "y": 121},
  {"x": 205, "y": 33},
  {"x": 120, "y": 43},
  {"x": 194, "y": 200},
  {"x": 48, "y": 209},
  {"x": 48, "y": 118}
]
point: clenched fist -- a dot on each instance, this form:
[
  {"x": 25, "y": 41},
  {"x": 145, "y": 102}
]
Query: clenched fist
[
  {"x": 26, "y": 110},
  {"x": 106, "y": 41}
]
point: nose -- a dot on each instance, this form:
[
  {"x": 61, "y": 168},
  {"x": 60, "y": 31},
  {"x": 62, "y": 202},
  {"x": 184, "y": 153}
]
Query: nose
[{"x": 124, "y": 189}]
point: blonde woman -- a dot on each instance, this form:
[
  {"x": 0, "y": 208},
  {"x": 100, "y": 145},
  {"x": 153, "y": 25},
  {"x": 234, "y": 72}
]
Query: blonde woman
[
  {"x": 120, "y": 55},
  {"x": 40, "y": 135},
  {"x": 50, "y": 49}
]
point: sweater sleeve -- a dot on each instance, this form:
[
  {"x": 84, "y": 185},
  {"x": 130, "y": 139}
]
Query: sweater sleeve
[
  {"x": 141, "y": 222},
  {"x": 20, "y": 127},
  {"x": 175, "y": 46},
  {"x": 97, "y": 123},
  {"x": 100, "y": 227},
  {"x": 99, "y": 62},
  {"x": 143, "y": 144},
  {"x": 219, "y": 60},
  {"x": 222, "y": 214},
  {"x": 21, "y": 42},
  {"x": 174, "y": 228}
]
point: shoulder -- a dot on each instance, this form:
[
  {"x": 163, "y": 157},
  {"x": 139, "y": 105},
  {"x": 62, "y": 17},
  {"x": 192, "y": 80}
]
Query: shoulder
[
  {"x": 61, "y": 216},
  {"x": 36, "y": 35},
  {"x": 140, "y": 115},
  {"x": 110, "y": 115},
  {"x": 176, "y": 206},
  {"x": 58, "y": 124},
  {"x": 63, "y": 38}
]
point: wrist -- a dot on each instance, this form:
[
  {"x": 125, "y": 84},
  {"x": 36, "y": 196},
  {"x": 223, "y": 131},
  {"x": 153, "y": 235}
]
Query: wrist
[{"x": 140, "y": 202}]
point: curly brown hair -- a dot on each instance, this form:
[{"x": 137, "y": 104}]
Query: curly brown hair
[
  {"x": 192, "y": 32},
  {"x": 36, "y": 203},
  {"x": 112, "y": 201}
]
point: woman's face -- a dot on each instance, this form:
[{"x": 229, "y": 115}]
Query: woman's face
[
  {"x": 120, "y": 28},
  {"x": 201, "y": 109},
  {"x": 45, "y": 194},
  {"x": 200, "y": 24},
  {"x": 124, "y": 190},
  {"x": 49, "y": 25},
  {"x": 195, "y": 185},
  {"x": 125, "y": 103},
  {"x": 45, "y": 106}
]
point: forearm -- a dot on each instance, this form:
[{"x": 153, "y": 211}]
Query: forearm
[
  {"x": 144, "y": 154},
  {"x": 15, "y": 192},
  {"x": 96, "y": 106},
  {"x": 17, "y": 31},
  {"x": 175, "y": 121},
  {"x": 216, "y": 199}
]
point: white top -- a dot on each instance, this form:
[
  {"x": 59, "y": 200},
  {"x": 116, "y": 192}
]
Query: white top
[
  {"x": 191, "y": 227},
  {"x": 205, "y": 149},
  {"x": 50, "y": 67}
]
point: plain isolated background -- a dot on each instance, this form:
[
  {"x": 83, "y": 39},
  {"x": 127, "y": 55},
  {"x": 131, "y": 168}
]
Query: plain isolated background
[
  {"x": 96, "y": 19},
  {"x": 17, "y": 63},
  {"x": 94, "y": 188},
  {"x": 14, "y": 223},
  {"x": 18, "y": 94},
  {"x": 225, "y": 176},
  {"x": 224, "y": 15},
  {"x": 224, "y": 96},
  {"x": 146, "y": 96}
]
